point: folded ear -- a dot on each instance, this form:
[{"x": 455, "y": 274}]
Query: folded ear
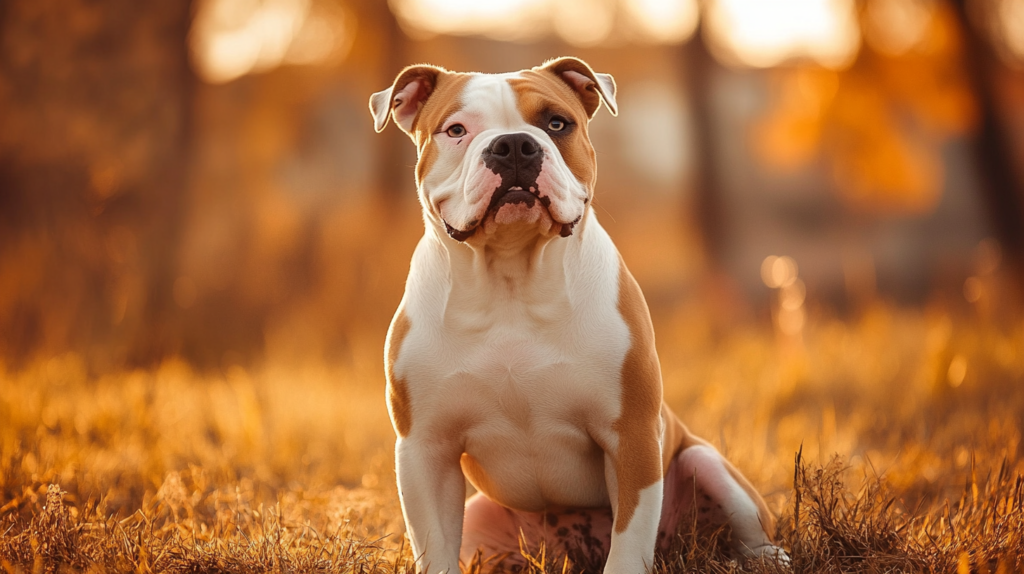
[
  {"x": 591, "y": 86},
  {"x": 405, "y": 97}
]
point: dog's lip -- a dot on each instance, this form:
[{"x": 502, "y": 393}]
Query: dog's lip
[
  {"x": 516, "y": 194},
  {"x": 566, "y": 230},
  {"x": 458, "y": 234},
  {"x": 500, "y": 198},
  {"x": 500, "y": 193}
]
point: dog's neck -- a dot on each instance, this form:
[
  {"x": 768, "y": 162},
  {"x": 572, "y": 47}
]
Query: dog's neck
[{"x": 513, "y": 270}]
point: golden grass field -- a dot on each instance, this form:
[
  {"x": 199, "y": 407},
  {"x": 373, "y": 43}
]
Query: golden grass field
[{"x": 910, "y": 424}]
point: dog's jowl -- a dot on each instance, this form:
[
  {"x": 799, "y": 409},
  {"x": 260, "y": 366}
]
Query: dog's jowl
[{"x": 522, "y": 355}]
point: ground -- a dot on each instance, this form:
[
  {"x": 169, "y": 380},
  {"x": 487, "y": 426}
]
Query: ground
[{"x": 886, "y": 442}]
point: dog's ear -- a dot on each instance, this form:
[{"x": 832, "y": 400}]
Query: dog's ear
[
  {"x": 593, "y": 88},
  {"x": 405, "y": 97}
]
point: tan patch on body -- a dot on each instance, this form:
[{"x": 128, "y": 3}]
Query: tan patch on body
[
  {"x": 445, "y": 100},
  {"x": 398, "y": 391},
  {"x": 675, "y": 437},
  {"x": 638, "y": 464},
  {"x": 540, "y": 95}
]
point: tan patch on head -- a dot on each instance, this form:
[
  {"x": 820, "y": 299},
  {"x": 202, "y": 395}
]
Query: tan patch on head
[
  {"x": 541, "y": 94},
  {"x": 445, "y": 100},
  {"x": 638, "y": 464},
  {"x": 398, "y": 391}
]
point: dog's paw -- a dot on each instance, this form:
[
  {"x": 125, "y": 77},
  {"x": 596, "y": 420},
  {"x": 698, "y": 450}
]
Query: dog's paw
[{"x": 767, "y": 552}]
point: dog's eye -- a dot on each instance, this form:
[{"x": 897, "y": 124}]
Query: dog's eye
[
  {"x": 456, "y": 131},
  {"x": 557, "y": 124}
]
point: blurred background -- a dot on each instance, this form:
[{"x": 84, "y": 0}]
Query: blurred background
[
  {"x": 201, "y": 180},
  {"x": 202, "y": 239}
]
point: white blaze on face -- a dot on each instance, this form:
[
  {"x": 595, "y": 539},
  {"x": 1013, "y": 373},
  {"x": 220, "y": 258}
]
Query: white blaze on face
[{"x": 460, "y": 186}]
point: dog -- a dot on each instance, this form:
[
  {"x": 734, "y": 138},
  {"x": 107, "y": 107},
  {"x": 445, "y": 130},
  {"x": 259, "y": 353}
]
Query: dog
[{"x": 522, "y": 354}]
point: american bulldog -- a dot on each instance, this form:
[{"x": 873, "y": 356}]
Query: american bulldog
[{"x": 522, "y": 354}]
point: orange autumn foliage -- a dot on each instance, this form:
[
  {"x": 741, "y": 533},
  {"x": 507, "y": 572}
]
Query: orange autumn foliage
[{"x": 881, "y": 125}]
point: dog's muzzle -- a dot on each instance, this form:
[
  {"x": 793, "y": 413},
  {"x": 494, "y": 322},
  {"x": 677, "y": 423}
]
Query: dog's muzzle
[{"x": 517, "y": 158}]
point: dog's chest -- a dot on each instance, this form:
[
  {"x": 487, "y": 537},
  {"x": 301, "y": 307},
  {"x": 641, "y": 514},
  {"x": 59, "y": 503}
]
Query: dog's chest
[
  {"x": 519, "y": 373},
  {"x": 528, "y": 383},
  {"x": 526, "y": 403}
]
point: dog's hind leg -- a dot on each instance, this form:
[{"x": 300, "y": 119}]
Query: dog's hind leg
[
  {"x": 703, "y": 490},
  {"x": 700, "y": 485}
]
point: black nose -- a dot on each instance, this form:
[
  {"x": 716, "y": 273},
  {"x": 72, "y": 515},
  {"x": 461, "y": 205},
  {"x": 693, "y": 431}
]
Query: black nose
[
  {"x": 514, "y": 146},
  {"x": 516, "y": 157}
]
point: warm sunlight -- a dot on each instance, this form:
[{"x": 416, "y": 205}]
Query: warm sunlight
[
  {"x": 764, "y": 33},
  {"x": 231, "y": 38},
  {"x": 583, "y": 22},
  {"x": 1011, "y": 22},
  {"x": 895, "y": 26},
  {"x": 667, "y": 21},
  {"x": 753, "y": 270},
  {"x": 578, "y": 22},
  {"x": 499, "y": 19}
]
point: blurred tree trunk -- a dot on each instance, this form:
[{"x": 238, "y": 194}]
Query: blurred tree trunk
[
  {"x": 699, "y": 72},
  {"x": 95, "y": 107},
  {"x": 993, "y": 147},
  {"x": 160, "y": 333},
  {"x": 393, "y": 177}
]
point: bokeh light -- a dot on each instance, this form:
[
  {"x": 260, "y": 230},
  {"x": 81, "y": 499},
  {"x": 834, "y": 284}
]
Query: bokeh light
[
  {"x": 957, "y": 371},
  {"x": 763, "y": 33},
  {"x": 895, "y": 26},
  {"x": 581, "y": 23},
  {"x": 519, "y": 20},
  {"x": 1011, "y": 23},
  {"x": 231, "y": 38},
  {"x": 665, "y": 21},
  {"x": 778, "y": 272}
]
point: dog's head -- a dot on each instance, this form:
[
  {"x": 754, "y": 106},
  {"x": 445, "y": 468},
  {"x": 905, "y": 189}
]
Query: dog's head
[{"x": 500, "y": 149}]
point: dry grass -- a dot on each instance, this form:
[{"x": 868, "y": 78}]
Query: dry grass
[{"x": 289, "y": 470}]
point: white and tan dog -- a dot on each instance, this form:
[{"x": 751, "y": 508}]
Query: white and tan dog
[{"x": 522, "y": 355}]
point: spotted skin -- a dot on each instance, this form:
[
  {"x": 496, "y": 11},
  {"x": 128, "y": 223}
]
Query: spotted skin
[{"x": 700, "y": 497}]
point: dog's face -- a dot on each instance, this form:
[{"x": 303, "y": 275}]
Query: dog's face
[{"x": 505, "y": 150}]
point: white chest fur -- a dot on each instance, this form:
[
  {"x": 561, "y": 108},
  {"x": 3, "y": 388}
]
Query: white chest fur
[{"x": 522, "y": 369}]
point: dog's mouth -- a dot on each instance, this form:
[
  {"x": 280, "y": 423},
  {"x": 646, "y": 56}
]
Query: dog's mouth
[{"x": 514, "y": 195}]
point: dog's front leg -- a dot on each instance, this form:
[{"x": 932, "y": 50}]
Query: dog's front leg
[
  {"x": 634, "y": 479},
  {"x": 433, "y": 492}
]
